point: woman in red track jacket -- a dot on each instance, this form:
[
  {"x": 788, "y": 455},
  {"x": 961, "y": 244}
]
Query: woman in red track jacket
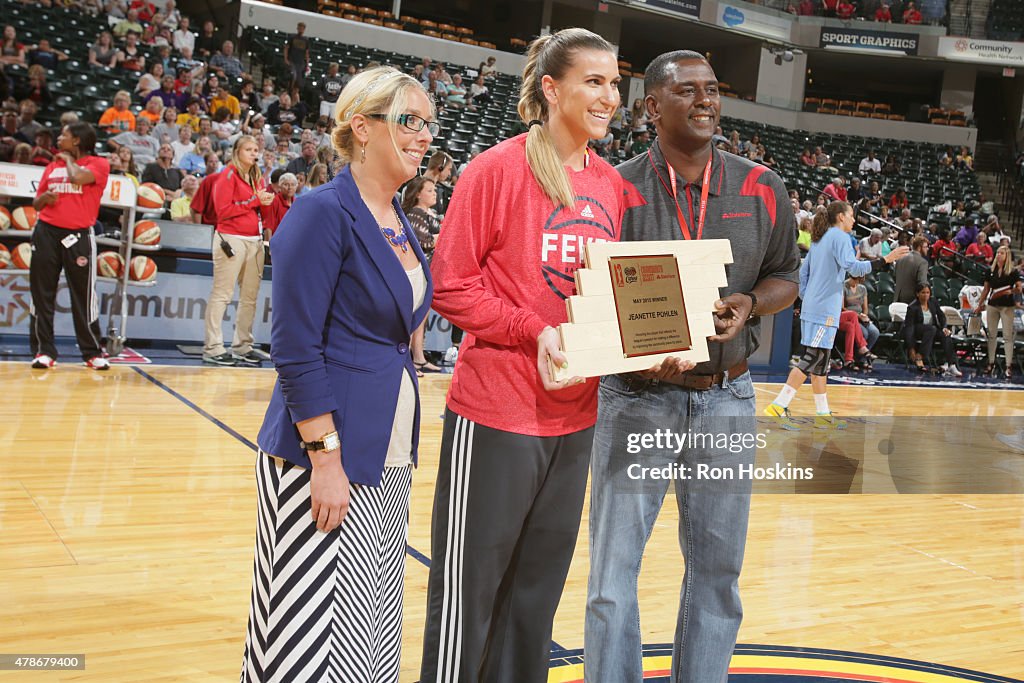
[{"x": 237, "y": 254}]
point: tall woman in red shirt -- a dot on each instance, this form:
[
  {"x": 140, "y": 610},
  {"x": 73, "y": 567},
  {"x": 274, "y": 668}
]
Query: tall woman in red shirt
[
  {"x": 237, "y": 253},
  {"x": 516, "y": 445},
  {"x": 68, "y": 201}
]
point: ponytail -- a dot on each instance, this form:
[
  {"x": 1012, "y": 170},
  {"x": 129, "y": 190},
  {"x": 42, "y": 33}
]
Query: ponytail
[
  {"x": 826, "y": 218},
  {"x": 550, "y": 56}
]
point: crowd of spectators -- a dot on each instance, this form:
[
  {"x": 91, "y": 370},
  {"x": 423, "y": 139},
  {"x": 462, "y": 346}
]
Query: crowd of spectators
[
  {"x": 886, "y": 11},
  {"x": 961, "y": 244},
  {"x": 191, "y": 98}
]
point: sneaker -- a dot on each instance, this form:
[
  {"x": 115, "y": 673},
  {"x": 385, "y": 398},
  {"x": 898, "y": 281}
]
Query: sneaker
[
  {"x": 451, "y": 355},
  {"x": 43, "y": 362},
  {"x": 222, "y": 359},
  {"x": 954, "y": 371},
  {"x": 250, "y": 358},
  {"x": 829, "y": 421},
  {"x": 98, "y": 363},
  {"x": 782, "y": 417}
]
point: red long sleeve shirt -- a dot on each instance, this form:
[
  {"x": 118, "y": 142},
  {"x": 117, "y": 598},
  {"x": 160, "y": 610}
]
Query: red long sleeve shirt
[
  {"x": 236, "y": 205},
  {"x": 503, "y": 267}
]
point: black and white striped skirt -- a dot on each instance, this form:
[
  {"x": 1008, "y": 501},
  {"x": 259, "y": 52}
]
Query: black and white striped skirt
[{"x": 326, "y": 607}]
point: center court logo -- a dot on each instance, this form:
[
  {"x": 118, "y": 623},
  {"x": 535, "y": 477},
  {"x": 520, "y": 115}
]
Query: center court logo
[
  {"x": 564, "y": 239},
  {"x": 780, "y": 664}
]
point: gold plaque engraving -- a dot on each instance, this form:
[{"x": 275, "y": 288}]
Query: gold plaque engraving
[{"x": 649, "y": 305}]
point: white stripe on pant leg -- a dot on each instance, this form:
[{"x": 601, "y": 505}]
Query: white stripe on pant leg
[
  {"x": 94, "y": 309},
  {"x": 462, "y": 549},
  {"x": 453, "y": 488},
  {"x": 450, "y": 638}
]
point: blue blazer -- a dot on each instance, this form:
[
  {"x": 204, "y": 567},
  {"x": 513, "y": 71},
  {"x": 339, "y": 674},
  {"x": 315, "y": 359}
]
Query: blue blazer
[{"x": 341, "y": 322}]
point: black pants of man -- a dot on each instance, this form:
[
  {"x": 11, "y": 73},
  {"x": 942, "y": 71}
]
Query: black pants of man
[
  {"x": 506, "y": 515},
  {"x": 74, "y": 252}
]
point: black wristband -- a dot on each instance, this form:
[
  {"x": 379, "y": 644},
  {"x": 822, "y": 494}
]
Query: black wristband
[{"x": 753, "y": 304}]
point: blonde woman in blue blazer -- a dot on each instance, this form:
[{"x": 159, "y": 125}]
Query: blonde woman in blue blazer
[{"x": 338, "y": 442}]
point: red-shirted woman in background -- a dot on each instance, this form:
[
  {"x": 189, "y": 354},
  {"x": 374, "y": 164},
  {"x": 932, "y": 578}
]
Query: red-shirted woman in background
[
  {"x": 237, "y": 253},
  {"x": 516, "y": 445},
  {"x": 68, "y": 201}
]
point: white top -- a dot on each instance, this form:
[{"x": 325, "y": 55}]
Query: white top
[
  {"x": 184, "y": 39},
  {"x": 870, "y": 165},
  {"x": 400, "y": 447}
]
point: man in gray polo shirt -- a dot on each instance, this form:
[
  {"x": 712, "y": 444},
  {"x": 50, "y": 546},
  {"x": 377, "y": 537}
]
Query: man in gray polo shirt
[{"x": 747, "y": 204}]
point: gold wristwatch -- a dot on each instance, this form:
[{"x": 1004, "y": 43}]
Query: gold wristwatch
[{"x": 328, "y": 442}]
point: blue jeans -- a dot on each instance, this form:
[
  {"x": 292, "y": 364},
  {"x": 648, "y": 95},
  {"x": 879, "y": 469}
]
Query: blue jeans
[
  {"x": 871, "y": 333},
  {"x": 712, "y": 525}
]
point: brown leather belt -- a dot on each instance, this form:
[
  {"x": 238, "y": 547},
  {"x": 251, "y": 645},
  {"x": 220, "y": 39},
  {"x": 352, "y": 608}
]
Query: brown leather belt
[{"x": 703, "y": 382}]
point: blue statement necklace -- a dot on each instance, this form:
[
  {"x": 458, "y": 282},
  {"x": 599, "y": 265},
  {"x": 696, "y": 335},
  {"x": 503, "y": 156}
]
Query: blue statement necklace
[{"x": 397, "y": 239}]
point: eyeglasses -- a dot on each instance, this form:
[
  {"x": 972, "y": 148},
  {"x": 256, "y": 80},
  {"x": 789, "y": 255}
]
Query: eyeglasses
[{"x": 412, "y": 122}]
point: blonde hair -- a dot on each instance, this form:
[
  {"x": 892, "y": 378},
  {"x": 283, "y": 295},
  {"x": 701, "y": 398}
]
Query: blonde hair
[
  {"x": 550, "y": 56},
  {"x": 1008, "y": 266},
  {"x": 380, "y": 90},
  {"x": 255, "y": 175}
]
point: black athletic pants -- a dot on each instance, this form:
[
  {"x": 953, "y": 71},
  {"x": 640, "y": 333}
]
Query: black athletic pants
[
  {"x": 52, "y": 252},
  {"x": 506, "y": 516}
]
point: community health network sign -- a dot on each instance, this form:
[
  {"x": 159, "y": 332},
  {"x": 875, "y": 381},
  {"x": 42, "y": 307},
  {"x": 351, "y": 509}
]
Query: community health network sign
[
  {"x": 986, "y": 51},
  {"x": 758, "y": 23}
]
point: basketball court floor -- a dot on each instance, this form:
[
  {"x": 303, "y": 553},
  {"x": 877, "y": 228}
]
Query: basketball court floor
[{"x": 127, "y": 520}]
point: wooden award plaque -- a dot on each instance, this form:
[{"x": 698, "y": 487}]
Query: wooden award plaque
[{"x": 638, "y": 303}]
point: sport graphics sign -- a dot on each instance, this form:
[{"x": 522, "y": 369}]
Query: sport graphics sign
[
  {"x": 876, "y": 41},
  {"x": 987, "y": 51}
]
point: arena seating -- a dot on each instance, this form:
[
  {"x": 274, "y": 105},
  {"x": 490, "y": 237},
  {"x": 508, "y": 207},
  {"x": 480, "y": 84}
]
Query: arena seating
[
  {"x": 461, "y": 129},
  {"x": 925, "y": 182},
  {"x": 74, "y": 85},
  {"x": 1005, "y": 20},
  {"x": 79, "y": 88}
]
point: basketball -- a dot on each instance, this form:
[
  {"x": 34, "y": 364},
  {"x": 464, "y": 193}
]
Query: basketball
[
  {"x": 24, "y": 218},
  {"x": 5, "y": 219},
  {"x": 109, "y": 264},
  {"x": 5, "y": 257},
  {"x": 142, "y": 269},
  {"x": 150, "y": 196},
  {"x": 147, "y": 232},
  {"x": 21, "y": 257}
]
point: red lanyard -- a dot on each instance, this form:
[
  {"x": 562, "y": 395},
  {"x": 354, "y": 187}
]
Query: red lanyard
[{"x": 705, "y": 187}]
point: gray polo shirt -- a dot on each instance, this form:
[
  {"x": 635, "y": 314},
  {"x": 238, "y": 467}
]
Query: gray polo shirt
[{"x": 747, "y": 205}]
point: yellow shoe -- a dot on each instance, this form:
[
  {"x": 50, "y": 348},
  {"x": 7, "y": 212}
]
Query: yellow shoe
[
  {"x": 782, "y": 417},
  {"x": 829, "y": 421}
]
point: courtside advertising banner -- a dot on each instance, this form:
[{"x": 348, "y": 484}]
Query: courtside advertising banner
[{"x": 21, "y": 180}]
